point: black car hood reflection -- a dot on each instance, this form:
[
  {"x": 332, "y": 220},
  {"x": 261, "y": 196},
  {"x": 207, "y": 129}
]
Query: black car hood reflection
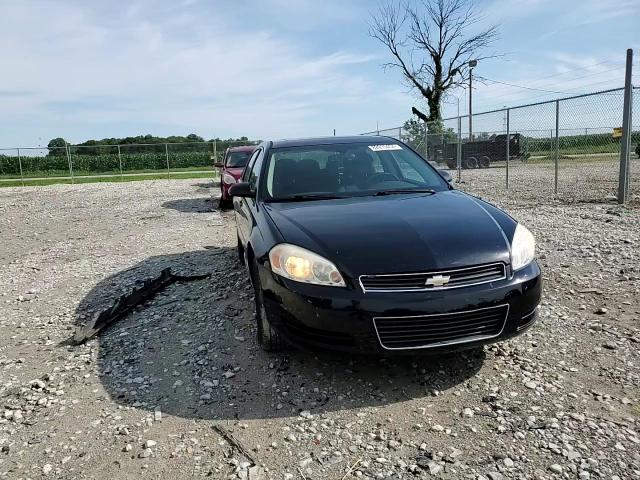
[{"x": 394, "y": 234}]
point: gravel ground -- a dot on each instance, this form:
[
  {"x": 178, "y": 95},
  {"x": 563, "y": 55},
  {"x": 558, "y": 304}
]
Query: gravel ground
[
  {"x": 589, "y": 180},
  {"x": 147, "y": 398}
]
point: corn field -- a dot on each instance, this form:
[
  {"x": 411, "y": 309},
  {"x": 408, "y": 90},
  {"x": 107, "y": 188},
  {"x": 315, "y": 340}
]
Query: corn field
[
  {"x": 105, "y": 163},
  {"x": 110, "y": 159}
]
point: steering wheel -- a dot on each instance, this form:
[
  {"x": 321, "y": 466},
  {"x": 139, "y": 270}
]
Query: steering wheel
[{"x": 381, "y": 177}]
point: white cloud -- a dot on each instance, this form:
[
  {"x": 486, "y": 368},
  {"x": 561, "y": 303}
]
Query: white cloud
[
  {"x": 265, "y": 68},
  {"x": 170, "y": 67}
]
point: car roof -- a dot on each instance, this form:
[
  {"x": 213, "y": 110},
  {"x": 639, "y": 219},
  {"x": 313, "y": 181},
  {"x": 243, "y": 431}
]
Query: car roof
[
  {"x": 243, "y": 148},
  {"x": 306, "y": 142}
]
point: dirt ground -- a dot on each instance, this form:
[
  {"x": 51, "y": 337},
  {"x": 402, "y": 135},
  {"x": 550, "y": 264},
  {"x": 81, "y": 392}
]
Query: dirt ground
[{"x": 146, "y": 398}]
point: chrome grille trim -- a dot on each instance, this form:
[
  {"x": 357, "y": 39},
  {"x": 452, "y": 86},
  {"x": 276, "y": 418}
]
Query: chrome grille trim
[
  {"x": 528, "y": 319},
  {"x": 416, "y": 282},
  {"x": 442, "y": 343}
]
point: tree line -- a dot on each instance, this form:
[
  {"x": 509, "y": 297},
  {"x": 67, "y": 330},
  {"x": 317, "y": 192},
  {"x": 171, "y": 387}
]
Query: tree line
[{"x": 143, "y": 144}]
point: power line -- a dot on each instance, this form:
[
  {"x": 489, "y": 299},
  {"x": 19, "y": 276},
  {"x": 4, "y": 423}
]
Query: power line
[
  {"x": 600, "y": 83},
  {"x": 546, "y": 92},
  {"x": 534, "y": 84},
  {"x": 496, "y": 105},
  {"x": 592, "y": 74},
  {"x": 522, "y": 86},
  {"x": 573, "y": 70},
  {"x": 564, "y": 82}
]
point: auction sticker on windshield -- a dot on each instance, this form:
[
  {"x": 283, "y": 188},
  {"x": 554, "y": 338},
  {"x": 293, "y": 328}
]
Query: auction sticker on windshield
[{"x": 382, "y": 148}]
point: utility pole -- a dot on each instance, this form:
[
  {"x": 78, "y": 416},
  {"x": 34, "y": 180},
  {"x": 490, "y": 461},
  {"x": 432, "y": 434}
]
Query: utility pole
[{"x": 472, "y": 63}]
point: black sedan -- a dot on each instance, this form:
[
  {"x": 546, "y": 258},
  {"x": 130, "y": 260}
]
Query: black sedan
[{"x": 359, "y": 244}]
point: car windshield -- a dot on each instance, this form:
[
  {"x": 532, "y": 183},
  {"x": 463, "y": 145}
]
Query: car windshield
[
  {"x": 348, "y": 170},
  {"x": 238, "y": 159}
]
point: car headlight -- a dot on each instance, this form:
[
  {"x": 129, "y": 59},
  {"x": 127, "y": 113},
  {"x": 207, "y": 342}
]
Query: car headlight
[
  {"x": 228, "y": 179},
  {"x": 301, "y": 265},
  {"x": 523, "y": 248}
]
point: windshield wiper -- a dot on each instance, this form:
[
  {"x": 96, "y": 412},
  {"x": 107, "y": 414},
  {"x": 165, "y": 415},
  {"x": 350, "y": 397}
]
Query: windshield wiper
[
  {"x": 394, "y": 191},
  {"x": 310, "y": 197}
]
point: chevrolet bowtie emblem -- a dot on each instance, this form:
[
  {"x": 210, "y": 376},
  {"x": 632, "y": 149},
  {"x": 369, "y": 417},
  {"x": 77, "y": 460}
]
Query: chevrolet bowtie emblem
[{"x": 438, "y": 280}]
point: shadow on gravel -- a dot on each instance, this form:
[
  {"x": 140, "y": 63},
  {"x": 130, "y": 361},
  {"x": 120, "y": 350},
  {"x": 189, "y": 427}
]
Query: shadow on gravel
[
  {"x": 205, "y": 185},
  {"x": 192, "y": 205},
  {"x": 191, "y": 351}
]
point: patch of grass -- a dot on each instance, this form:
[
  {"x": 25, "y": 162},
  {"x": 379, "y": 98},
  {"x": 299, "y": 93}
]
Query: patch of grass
[
  {"x": 82, "y": 173},
  {"x": 571, "y": 159},
  {"x": 109, "y": 178}
]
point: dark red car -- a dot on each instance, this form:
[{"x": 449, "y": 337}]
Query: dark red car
[{"x": 231, "y": 168}]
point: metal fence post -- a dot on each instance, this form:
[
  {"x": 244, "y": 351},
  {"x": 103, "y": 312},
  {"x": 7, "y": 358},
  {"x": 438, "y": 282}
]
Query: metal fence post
[
  {"x": 69, "y": 161},
  {"x": 215, "y": 151},
  {"x": 166, "y": 154},
  {"x": 120, "y": 163},
  {"x": 557, "y": 145},
  {"x": 630, "y": 135},
  {"x": 426, "y": 140},
  {"x": 20, "y": 166},
  {"x": 507, "y": 171},
  {"x": 459, "y": 149},
  {"x": 625, "y": 142}
]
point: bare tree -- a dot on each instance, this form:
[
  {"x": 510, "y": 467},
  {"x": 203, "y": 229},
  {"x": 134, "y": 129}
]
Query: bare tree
[{"x": 432, "y": 42}]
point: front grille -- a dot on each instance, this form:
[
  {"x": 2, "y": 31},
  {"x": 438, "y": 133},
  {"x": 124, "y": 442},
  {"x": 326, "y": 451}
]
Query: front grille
[
  {"x": 407, "y": 282},
  {"x": 428, "y": 331}
]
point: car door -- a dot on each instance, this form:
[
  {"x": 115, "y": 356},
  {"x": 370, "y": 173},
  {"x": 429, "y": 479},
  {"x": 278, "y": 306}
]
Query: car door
[{"x": 245, "y": 207}]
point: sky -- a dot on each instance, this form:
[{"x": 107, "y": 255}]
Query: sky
[{"x": 272, "y": 68}]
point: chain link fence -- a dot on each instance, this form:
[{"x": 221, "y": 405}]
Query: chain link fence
[
  {"x": 566, "y": 149},
  {"x": 634, "y": 167},
  {"x": 78, "y": 163}
]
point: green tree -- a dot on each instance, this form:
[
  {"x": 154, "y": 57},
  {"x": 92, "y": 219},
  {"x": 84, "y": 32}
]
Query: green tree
[
  {"x": 57, "y": 146},
  {"x": 414, "y": 131}
]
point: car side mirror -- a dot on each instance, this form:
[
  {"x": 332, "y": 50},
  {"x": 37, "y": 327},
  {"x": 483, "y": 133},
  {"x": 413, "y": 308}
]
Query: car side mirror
[
  {"x": 242, "y": 189},
  {"x": 446, "y": 175},
  {"x": 218, "y": 164}
]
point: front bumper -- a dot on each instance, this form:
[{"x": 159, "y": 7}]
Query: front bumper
[{"x": 343, "y": 318}]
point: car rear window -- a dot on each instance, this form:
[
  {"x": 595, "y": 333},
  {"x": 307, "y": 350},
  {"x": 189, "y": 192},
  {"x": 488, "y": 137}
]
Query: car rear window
[
  {"x": 238, "y": 159},
  {"x": 347, "y": 170}
]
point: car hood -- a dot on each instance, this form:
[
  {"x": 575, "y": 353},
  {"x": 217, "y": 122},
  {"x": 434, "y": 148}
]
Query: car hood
[{"x": 394, "y": 234}]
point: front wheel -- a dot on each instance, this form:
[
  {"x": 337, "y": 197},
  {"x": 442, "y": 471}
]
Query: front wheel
[
  {"x": 268, "y": 338},
  {"x": 224, "y": 204},
  {"x": 240, "y": 250}
]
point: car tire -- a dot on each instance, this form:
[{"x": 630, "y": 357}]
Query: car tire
[
  {"x": 471, "y": 162},
  {"x": 240, "y": 250},
  {"x": 268, "y": 338},
  {"x": 223, "y": 204},
  {"x": 485, "y": 162}
]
